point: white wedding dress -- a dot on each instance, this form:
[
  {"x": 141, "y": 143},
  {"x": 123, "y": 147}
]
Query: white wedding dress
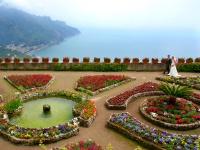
[{"x": 173, "y": 71}]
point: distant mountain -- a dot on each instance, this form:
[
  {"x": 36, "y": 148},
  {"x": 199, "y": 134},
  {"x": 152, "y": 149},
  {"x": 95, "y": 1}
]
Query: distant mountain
[{"x": 18, "y": 27}]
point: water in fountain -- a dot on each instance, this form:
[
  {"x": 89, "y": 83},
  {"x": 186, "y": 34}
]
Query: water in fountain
[{"x": 33, "y": 116}]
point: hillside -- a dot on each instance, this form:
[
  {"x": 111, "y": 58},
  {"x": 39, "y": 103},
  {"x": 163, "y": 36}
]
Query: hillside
[{"x": 18, "y": 27}]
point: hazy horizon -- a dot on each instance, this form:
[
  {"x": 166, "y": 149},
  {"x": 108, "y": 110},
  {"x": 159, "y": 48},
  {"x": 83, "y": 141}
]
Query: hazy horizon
[{"x": 129, "y": 14}]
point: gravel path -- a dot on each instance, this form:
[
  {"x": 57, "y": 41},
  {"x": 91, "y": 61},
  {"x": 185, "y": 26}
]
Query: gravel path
[{"x": 98, "y": 130}]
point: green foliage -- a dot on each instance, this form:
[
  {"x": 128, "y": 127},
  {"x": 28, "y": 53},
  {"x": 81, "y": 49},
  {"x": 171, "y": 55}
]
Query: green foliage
[
  {"x": 12, "y": 105},
  {"x": 175, "y": 90},
  {"x": 188, "y": 67},
  {"x": 4, "y": 52},
  {"x": 60, "y": 67},
  {"x": 99, "y": 67},
  {"x": 90, "y": 67}
]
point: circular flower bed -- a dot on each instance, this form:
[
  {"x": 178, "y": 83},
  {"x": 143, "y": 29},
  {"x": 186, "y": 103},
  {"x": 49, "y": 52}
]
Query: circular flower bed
[
  {"x": 31, "y": 136},
  {"x": 179, "y": 114}
]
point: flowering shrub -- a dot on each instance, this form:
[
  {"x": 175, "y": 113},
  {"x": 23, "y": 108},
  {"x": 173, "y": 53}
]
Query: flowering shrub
[
  {"x": 16, "y": 59},
  {"x": 55, "y": 59},
  {"x": 86, "y": 109},
  {"x": 86, "y": 59},
  {"x": 96, "y": 82},
  {"x": 35, "y": 59},
  {"x": 163, "y": 60},
  {"x": 29, "y": 81},
  {"x": 74, "y": 59},
  {"x": 135, "y": 60},
  {"x": 153, "y": 138},
  {"x": 197, "y": 59},
  {"x": 45, "y": 59},
  {"x": 117, "y": 60},
  {"x": 182, "y": 112},
  {"x": 8, "y": 59},
  {"x": 26, "y": 59},
  {"x": 107, "y": 60},
  {"x": 81, "y": 145},
  {"x": 154, "y": 60}
]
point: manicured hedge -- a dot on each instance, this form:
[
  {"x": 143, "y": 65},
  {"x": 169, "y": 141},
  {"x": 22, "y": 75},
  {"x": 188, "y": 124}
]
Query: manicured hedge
[
  {"x": 188, "y": 67},
  {"x": 91, "y": 67}
]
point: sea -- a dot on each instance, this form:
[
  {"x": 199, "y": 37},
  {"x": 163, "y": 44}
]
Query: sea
[{"x": 101, "y": 42}]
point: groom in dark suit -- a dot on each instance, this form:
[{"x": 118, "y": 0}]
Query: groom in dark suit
[{"x": 167, "y": 64}]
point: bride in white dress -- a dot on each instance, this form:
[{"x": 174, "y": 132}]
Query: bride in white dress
[{"x": 173, "y": 71}]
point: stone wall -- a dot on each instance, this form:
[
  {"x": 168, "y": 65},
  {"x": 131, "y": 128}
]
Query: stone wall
[{"x": 49, "y": 66}]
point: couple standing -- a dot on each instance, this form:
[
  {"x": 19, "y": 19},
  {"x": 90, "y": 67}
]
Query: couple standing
[{"x": 170, "y": 67}]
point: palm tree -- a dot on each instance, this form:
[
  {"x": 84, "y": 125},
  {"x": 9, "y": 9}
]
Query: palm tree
[{"x": 174, "y": 91}]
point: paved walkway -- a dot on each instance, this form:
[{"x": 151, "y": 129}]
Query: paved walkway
[{"x": 98, "y": 130}]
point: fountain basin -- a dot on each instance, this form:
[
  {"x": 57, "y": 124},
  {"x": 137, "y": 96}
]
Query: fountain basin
[{"x": 33, "y": 116}]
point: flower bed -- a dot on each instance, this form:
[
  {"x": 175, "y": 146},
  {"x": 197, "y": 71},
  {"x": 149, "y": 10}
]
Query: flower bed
[
  {"x": 26, "y": 83},
  {"x": 193, "y": 82},
  {"x": 120, "y": 101},
  {"x": 31, "y": 136},
  {"x": 150, "y": 137},
  {"x": 148, "y": 88},
  {"x": 81, "y": 145},
  {"x": 99, "y": 83},
  {"x": 86, "y": 112},
  {"x": 182, "y": 115}
]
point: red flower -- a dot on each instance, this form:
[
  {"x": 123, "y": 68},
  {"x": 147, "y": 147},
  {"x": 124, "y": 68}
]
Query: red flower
[
  {"x": 176, "y": 117},
  {"x": 179, "y": 121}
]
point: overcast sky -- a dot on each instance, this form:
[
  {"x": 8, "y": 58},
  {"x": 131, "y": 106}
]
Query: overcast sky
[{"x": 182, "y": 14}]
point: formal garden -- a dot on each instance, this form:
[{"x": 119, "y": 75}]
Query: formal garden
[{"x": 174, "y": 106}]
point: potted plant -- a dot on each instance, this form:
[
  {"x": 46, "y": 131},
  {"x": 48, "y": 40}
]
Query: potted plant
[
  {"x": 197, "y": 59},
  {"x": 189, "y": 60},
  {"x": 55, "y": 59},
  {"x": 117, "y": 60},
  {"x": 163, "y": 60},
  {"x": 106, "y": 60},
  {"x": 154, "y": 60},
  {"x": 145, "y": 60},
  {"x": 8, "y": 59},
  {"x": 75, "y": 60},
  {"x": 26, "y": 59},
  {"x": 96, "y": 59},
  {"x": 181, "y": 60},
  {"x": 35, "y": 59},
  {"x": 65, "y": 59},
  {"x": 135, "y": 60},
  {"x": 126, "y": 60},
  {"x": 86, "y": 59},
  {"x": 16, "y": 60},
  {"x": 45, "y": 59},
  {"x": 1, "y": 60}
]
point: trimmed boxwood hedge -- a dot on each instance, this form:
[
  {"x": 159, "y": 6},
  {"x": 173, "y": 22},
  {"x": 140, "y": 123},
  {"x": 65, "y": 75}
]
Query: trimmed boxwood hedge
[
  {"x": 91, "y": 67},
  {"x": 188, "y": 67}
]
